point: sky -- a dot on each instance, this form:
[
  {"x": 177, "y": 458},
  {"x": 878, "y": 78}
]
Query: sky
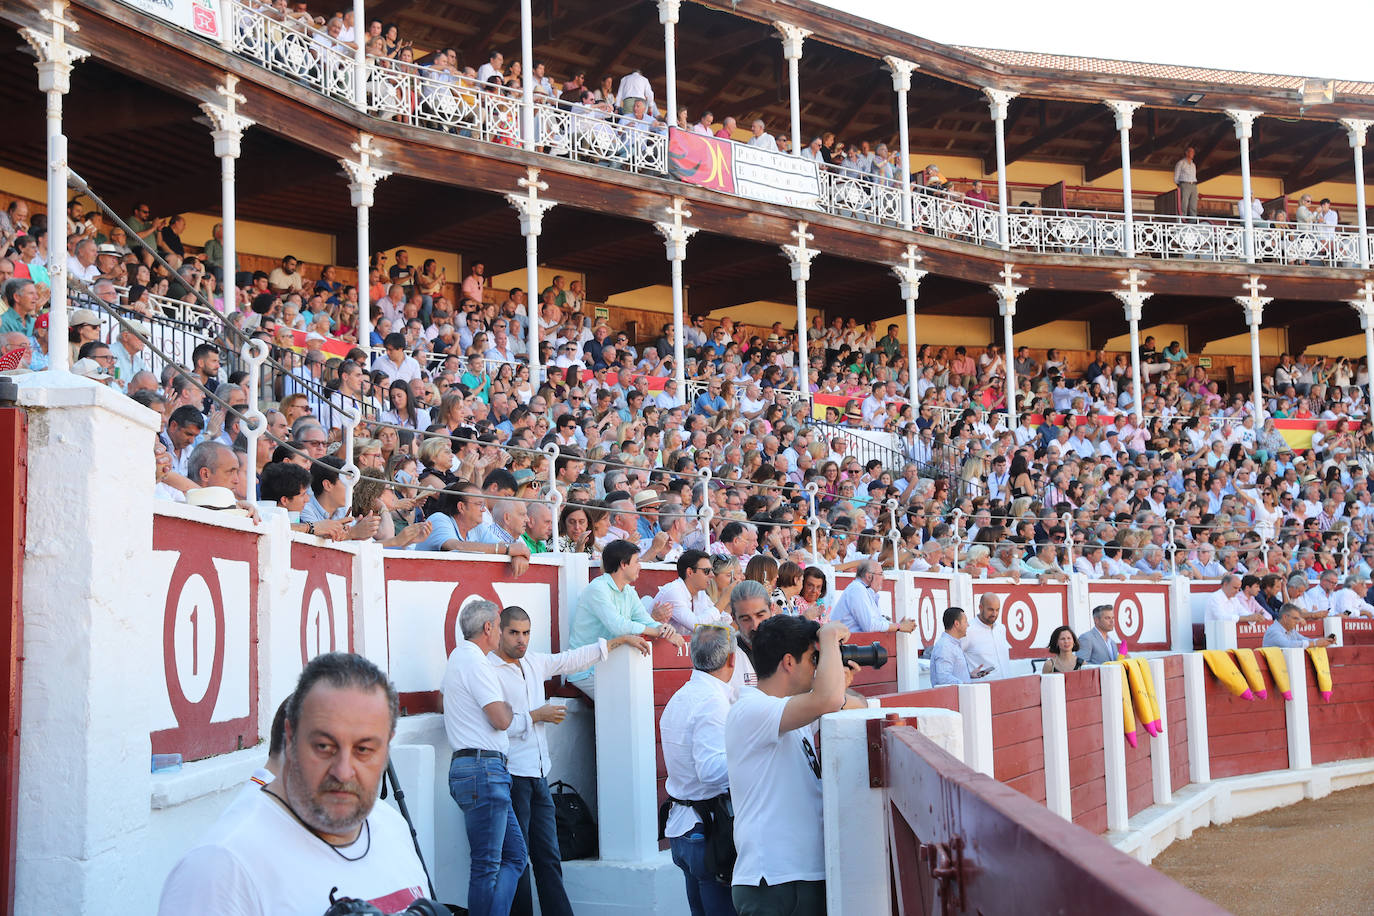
[{"x": 1264, "y": 36}]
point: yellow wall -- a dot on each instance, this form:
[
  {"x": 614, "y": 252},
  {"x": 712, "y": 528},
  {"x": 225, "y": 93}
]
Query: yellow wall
[
  {"x": 448, "y": 261},
  {"x": 1163, "y": 334},
  {"x": 650, "y": 298},
  {"x": 1071, "y": 335},
  {"x": 1352, "y": 347},
  {"x": 517, "y": 278},
  {"x": 21, "y": 185},
  {"x": 259, "y": 238},
  {"x": 943, "y": 330},
  {"x": 1273, "y": 341},
  {"x": 763, "y": 314}
]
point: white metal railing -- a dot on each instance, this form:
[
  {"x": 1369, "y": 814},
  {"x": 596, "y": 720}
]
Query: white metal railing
[{"x": 448, "y": 102}]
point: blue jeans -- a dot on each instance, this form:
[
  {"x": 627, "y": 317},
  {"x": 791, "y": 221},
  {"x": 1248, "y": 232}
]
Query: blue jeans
[
  {"x": 529, "y": 795},
  {"x": 705, "y": 895},
  {"x": 481, "y": 787}
]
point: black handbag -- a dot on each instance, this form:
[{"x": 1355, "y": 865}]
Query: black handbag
[
  {"x": 574, "y": 822},
  {"x": 717, "y": 826}
]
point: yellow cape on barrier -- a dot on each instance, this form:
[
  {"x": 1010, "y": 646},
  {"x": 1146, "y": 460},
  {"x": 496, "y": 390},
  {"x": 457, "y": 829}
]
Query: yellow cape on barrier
[
  {"x": 1226, "y": 671},
  {"x": 1278, "y": 670},
  {"x": 1127, "y": 716},
  {"x": 1321, "y": 666},
  {"x": 1250, "y": 668},
  {"x": 1148, "y": 679}
]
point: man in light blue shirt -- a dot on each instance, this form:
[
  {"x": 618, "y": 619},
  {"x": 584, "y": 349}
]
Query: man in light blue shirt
[
  {"x": 610, "y": 607},
  {"x": 1283, "y": 633},
  {"x": 948, "y": 664}
]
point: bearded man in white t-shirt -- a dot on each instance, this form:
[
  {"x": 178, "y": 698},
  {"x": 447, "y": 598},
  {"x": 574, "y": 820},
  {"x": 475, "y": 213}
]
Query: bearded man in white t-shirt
[
  {"x": 316, "y": 829},
  {"x": 775, "y": 770}
]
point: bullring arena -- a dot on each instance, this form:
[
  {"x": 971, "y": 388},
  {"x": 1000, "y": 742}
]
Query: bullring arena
[{"x": 417, "y": 306}]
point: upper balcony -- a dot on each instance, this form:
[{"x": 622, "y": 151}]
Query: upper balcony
[{"x": 1066, "y": 226}]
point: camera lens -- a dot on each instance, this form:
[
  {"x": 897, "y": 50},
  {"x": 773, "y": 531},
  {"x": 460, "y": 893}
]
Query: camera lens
[{"x": 874, "y": 656}]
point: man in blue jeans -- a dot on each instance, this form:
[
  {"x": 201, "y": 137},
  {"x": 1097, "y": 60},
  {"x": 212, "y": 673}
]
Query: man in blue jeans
[
  {"x": 522, "y": 675},
  {"x": 693, "y": 730},
  {"x": 476, "y": 717}
]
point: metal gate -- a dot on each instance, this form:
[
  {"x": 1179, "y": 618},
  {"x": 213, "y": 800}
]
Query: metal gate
[{"x": 961, "y": 842}]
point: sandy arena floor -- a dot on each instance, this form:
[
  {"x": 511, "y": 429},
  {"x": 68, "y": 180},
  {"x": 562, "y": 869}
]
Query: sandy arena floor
[{"x": 1312, "y": 857}]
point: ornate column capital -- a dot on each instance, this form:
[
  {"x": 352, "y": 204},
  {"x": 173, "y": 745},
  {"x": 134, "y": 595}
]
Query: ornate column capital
[
  {"x": 1254, "y": 303},
  {"x": 362, "y": 174},
  {"x": 227, "y": 125},
  {"x": 792, "y": 37},
  {"x": 1244, "y": 119},
  {"x": 1364, "y": 305},
  {"x": 901, "y": 72},
  {"x": 668, "y": 11},
  {"x": 799, "y": 256},
  {"x": 998, "y": 100},
  {"x": 908, "y": 275},
  {"x": 1007, "y": 292},
  {"x": 55, "y": 55},
  {"x": 675, "y": 234},
  {"x": 530, "y": 205},
  {"x": 1356, "y": 128},
  {"x": 1124, "y": 111}
]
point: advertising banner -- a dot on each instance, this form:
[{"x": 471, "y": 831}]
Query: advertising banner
[
  {"x": 203, "y": 17},
  {"x": 745, "y": 171}
]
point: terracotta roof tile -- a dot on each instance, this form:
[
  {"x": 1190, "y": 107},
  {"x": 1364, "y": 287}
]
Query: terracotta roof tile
[{"x": 1103, "y": 66}]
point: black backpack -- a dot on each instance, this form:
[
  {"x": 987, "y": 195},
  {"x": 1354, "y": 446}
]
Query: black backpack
[{"x": 577, "y": 837}]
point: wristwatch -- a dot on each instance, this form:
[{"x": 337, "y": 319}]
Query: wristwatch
[{"x": 309, "y": 527}]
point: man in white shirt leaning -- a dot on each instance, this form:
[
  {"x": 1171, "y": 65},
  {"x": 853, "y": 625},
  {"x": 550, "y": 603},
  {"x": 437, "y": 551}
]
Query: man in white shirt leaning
[
  {"x": 522, "y": 675},
  {"x": 686, "y": 595},
  {"x": 985, "y": 644}
]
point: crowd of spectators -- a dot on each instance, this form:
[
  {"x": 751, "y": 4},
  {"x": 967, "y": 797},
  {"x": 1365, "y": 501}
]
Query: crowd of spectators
[{"x": 448, "y": 404}]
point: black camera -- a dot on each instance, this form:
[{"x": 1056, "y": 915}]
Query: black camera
[
  {"x": 348, "y": 906},
  {"x": 874, "y": 656}
]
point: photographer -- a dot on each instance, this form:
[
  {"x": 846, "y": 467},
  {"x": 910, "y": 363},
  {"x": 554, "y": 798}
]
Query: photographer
[
  {"x": 693, "y": 730},
  {"x": 774, "y": 772},
  {"x": 316, "y": 827}
]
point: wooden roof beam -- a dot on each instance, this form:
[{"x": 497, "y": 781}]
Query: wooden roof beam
[
  {"x": 404, "y": 229},
  {"x": 1257, "y": 152},
  {"x": 498, "y": 23},
  {"x": 630, "y": 36},
  {"x": 880, "y": 82},
  {"x": 1066, "y": 126},
  {"x": 567, "y": 19},
  {"x": 1306, "y": 173},
  {"x": 1214, "y": 138},
  {"x": 1180, "y": 133}
]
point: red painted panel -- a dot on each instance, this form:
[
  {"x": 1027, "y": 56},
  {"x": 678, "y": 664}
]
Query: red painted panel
[
  {"x": 318, "y": 636},
  {"x": 1017, "y": 735},
  {"x": 1344, "y": 728},
  {"x": 946, "y": 697},
  {"x": 1245, "y": 736},
  {"x": 1030, "y": 612},
  {"x": 14, "y": 495},
  {"x": 1087, "y": 765},
  {"x": 1144, "y": 612},
  {"x": 1177, "y": 729},
  {"x": 1139, "y": 777},
  {"x": 1358, "y": 631},
  {"x": 1015, "y": 693},
  {"x": 198, "y": 546}
]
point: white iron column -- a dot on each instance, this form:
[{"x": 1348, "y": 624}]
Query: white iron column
[
  {"x": 909, "y": 277},
  {"x": 1254, "y": 304},
  {"x": 1125, "y": 115},
  {"x": 800, "y": 257},
  {"x": 1357, "y": 130},
  {"x": 228, "y": 127},
  {"x": 901, "y": 84},
  {"x": 1245, "y": 120},
  {"x": 792, "y": 37},
  {"x": 1364, "y": 307},
  {"x": 997, "y": 104},
  {"x": 359, "y": 60},
  {"x": 55, "y": 59},
  {"x": 1132, "y": 299},
  {"x": 532, "y": 210},
  {"x": 1007, "y": 293},
  {"x": 527, "y": 83},
  {"x": 668, "y": 16},
  {"x": 362, "y": 185},
  {"x": 675, "y": 237}
]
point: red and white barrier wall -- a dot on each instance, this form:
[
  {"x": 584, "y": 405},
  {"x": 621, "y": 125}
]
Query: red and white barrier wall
[{"x": 153, "y": 628}]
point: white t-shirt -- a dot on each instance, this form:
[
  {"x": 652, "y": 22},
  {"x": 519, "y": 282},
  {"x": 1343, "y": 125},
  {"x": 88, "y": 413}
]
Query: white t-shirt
[
  {"x": 469, "y": 684},
  {"x": 775, "y": 784},
  {"x": 744, "y": 675},
  {"x": 259, "y": 860}
]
